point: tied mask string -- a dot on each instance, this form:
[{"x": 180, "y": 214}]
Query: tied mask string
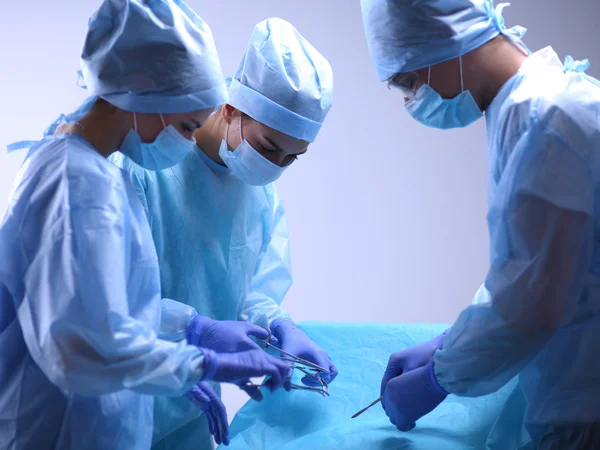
[{"x": 515, "y": 33}]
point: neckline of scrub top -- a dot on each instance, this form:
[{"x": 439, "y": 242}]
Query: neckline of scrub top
[
  {"x": 76, "y": 137},
  {"x": 210, "y": 163},
  {"x": 87, "y": 147},
  {"x": 64, "y": 136}
]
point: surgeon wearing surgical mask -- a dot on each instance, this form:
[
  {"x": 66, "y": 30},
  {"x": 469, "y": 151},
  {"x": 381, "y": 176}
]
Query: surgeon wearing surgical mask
[
  {"x": 434, "y": 102},
  {"x": 80, "y": 299},
  {"x": 217, "y": 220},
  {"x": 537, "y": 314},
  {"x": 255, "y": 153}
]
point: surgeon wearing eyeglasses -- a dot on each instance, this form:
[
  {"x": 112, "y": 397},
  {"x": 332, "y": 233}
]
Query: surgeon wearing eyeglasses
[{"x": 537, "y": 314}]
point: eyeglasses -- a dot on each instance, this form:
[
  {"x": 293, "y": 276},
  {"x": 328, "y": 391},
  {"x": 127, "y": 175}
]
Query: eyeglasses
[
  {"x": 405, "y": 83},
  {"x": 308, "y": 368}
]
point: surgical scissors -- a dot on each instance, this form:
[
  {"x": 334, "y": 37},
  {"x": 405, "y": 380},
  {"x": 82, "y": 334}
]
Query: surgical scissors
[
  {"x": 293, "y": 358},
  {"x": 306, "y": 367}
]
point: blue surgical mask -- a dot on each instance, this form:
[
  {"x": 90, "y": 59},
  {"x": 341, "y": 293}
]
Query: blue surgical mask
[
  {"x": 168, "y": 149},
  {"x": 247, "y": 165},
  {"x": 429, "y": 108}
]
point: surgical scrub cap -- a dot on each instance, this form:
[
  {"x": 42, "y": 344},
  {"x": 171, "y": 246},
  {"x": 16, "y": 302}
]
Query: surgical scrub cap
[
  {"x": 407, "y": 35},
  {"x": 152, "y": 56},
  {"x": 283, "y": 81}
]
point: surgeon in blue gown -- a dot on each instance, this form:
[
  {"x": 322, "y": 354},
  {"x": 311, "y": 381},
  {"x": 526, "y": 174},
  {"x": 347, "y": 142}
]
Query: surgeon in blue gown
[
  {"x": 217, "y": 220},
  {"x": 80, "y": 304},
  {"x": 537, "y": 315}
]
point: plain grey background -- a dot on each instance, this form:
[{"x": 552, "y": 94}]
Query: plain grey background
[{"x": 387, "y": 218}]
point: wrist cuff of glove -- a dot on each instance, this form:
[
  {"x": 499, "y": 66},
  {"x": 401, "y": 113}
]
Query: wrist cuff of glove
[
  {"x": 191, "y": 332},
  {"x": 210, "y": 364},
  {"x": 438, "y": 341},
  {"x": 434, "y": 382}
]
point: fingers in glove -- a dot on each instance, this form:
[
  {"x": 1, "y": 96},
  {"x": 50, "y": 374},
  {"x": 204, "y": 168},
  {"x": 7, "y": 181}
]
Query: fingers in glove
[
  {"x": 404, "y": 427},
  {"x": 395, "y": 418},
  {"x": 221, "y": 418},
  {"x": 202, "y": 391},
  {"x": 387, "y": 376},
  {"x": 392, "y": 420},
  {"x": 333, "y": 372},
  {"x": 211, "y": 423},
  {"x": 247, "y": 344},
  {"x": 312, "y": 381},
  {"x": 327, "y": 377},
  {"x": 286, "y": 383},
  {"x": 321, "y": 360},
  {"x": 271, "y": 385},
  {"x": 218, "y": 431},
  {"x": 384, "y": 406},
  {"x": 278, "y": 371},
  {"x": 257, "y": 331},
  {"x": 253, "y": 392},
  {"x": 395, "y": 368}
]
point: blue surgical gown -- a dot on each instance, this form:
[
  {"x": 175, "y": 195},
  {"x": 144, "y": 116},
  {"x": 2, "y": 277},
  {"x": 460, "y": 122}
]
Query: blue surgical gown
[
  {"x": 80, "y": 307},
  {"x": 538, "y": 313},
  {"x": 223, "y": 251}
]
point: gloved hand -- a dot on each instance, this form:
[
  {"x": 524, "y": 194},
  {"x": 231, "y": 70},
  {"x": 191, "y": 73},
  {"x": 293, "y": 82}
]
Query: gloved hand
[
  {"x": 223, "y": 336},
  {"x": 295, "y": 341},
  {"x": 238, "y": 368},
  {"x": 411, "y": 358},
  {"x": 412, "y": 395},
  {"x": 205, "y": 398}
]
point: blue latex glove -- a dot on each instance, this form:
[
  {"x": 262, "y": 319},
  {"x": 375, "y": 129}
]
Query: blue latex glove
[
  {"x": 295, "y": 341},
  {"x": 411, "y": 358},
  {"x": 205, "y": 398},
  {"x": 223, "y": 336},
  {"x": 412, "y": 395},
  {"x": 238, "y": 368}
]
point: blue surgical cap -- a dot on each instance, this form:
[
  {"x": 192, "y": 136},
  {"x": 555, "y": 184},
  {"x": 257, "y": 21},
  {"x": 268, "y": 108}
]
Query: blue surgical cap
[
  {"x": 407, "y": 35},
  {"x": 283, "y": 81},
  {"x": 153, "y": 56}
]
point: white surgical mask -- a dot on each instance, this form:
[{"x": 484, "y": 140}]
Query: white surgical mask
[
  {"x": 247, "y": 165},
  {"x": 168, "y": 149}
]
